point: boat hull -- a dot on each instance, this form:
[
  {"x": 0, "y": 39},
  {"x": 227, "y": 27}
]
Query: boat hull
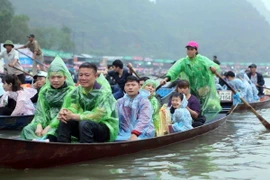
[
  {"x": 14, "y": 122},
  {"x": 257, "y": 105},
  {"x": 21, "y": 154}
]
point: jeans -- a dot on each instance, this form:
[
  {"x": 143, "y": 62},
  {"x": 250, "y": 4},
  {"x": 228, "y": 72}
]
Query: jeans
[
  {"x": 117, "y": 92},
  {"x": 86, "y": 131}
]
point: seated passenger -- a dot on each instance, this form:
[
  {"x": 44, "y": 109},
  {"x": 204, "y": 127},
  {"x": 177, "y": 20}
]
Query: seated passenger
[
  {"x": 50, "y": 101},
  {"x": 135, "y": 113},
  {"x": 2, "y": 91},
  {"x": 251, "y": 90},
  {"x": 142, "y": 80},
  {"x": 181, "y": 118},
  {"x": 194, "y": 106},
  {"x": 40, "y": 81},
  {"x": 88, "y": 112},
  {"x": 151, "y": 85},
  {"x": 237, "y": 85},
  {"x": 21, "y": 96},
  {"x": 119, "y": 74}
]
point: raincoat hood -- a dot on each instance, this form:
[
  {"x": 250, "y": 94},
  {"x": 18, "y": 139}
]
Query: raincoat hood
[
  {"x": 184, "y": 102},
  {"x": 58, "y": 65},
  {"x": 150, "y": 81}
]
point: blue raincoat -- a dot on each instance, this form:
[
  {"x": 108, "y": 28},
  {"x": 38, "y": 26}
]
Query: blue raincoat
[
  {"x": 181, "y": 118},
  {"x": 249, "y": 94},
  {"x": 135, "y": 116}
]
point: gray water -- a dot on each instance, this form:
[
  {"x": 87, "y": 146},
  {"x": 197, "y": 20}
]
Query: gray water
[{"x": 239, "y": 149}]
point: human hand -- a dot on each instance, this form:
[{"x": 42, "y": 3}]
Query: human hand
[
  {"x": 39, "y": 130},
  {"x": 133, "y": 137},
  {"x": 45, "y": 130},
  {"x": 164, "y": 81},
  {"x": 129, "y": 65},
  {"x": 10, "y": 65},
  {"x": 66, "y": 115},
  {"x": 213, "y": 69}
]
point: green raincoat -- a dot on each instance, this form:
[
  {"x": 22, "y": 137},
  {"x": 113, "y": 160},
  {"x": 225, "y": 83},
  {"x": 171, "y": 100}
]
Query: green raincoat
[
  {"x": 154, "y": 102},
  {"x": 97, "y": 105},
  {"x": 49, "y": 103},
  {"x": 202, "y": 85}
]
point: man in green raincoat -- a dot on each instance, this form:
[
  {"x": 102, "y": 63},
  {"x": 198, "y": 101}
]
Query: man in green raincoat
[
  {"x": 88, "y": 112},
  {"x": 50, "y": 100},
  {"x": 198, "y": 70}
]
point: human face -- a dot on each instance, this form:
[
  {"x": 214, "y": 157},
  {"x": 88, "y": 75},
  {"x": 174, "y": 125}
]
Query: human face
[
  {"x": 132, "y": 88},
  {"x": 229, "y": 78},
  {"x": 87, "y": 78},
  {"x": 176, "y": 102},
  {"x": 41, "y": 81},
  {"x": 116, "y": 69},
  {"x": 253, "y": 70},
  {"x": 7, "y": 87},
  {"x": 57, "y": 79},
  {"x": 150, "y": 88},
  {"x": 191, "y": 52},
  {"x": 30, "y": 39},
  {"x": 8, "y": 48},
  {"x": 142, "y": 82},
  {"x": 183, "y": 90}
]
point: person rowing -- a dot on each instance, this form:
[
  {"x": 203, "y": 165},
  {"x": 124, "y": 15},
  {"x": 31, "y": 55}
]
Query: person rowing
[{"x": 198, "y": 70}]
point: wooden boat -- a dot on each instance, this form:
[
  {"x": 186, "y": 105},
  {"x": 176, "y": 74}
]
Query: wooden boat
[
  {"x": 14, "y": 122},
  {"x": 21, "y": 154}
]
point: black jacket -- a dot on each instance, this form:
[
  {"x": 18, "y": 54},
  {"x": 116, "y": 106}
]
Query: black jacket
[{"x": 260, "y": 82}]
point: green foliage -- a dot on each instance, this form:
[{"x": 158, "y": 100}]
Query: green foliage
[
  {"x": 6, "y": 14},
  {"x": 16, "y": 28},
  {"x": 54, "y": 38},
  {"x": 19, "y": 29},
  {"x": 232, "y": 30}
]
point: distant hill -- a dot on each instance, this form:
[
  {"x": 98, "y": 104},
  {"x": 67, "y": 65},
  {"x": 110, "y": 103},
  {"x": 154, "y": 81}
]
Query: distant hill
[
  {"x": 232, "y": 30},
  {"x": 260, "y": 6}
]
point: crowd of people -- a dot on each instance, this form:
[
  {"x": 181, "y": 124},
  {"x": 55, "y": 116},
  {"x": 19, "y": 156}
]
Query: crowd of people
[
  {"x": 248, "y": 84},
  {"x": 118, "y": 106}
]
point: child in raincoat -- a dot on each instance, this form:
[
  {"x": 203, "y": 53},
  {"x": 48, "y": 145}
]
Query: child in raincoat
[
  {"x": 135, "y": 113},
  {"x": 151, "y": 85},
  {"x": 15, "y": 94},
  {"x": 51, "y": 96},
  {"x": 181, "y": 118}
]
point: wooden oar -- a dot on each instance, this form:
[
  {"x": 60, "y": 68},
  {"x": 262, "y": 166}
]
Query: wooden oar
[
  {"x": 133, "y": 71},
  {"x": 262, "y": 120},
  {"x": 159, "y": 86},
  {"x": 264, "y": 87},
  {"x": 32, "y": 58},
  {"x": 23, "y": 71}
]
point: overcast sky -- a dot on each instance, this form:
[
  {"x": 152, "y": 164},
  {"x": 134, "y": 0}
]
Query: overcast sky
[{"x": 267, "y": 4}]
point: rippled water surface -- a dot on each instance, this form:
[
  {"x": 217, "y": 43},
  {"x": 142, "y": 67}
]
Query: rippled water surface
[{"x": 239, "y": 149}]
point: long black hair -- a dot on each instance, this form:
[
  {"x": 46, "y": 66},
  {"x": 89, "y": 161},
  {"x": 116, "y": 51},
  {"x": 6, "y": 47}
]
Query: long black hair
[{"x": 14, "y": 80}]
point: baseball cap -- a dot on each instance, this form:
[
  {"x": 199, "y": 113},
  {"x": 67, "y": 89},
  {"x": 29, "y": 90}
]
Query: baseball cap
[
  {"x": 40, "y": 74},
  {"x": 192, "y": 44},
  {"x": 252, "y": 66}
]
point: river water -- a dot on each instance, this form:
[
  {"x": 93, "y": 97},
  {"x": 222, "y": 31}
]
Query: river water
[{"x": 239, "y": 149}]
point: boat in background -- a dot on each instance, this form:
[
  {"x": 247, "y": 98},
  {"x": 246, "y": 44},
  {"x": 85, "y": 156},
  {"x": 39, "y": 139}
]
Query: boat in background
[{"x": 14, "y": 122}]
